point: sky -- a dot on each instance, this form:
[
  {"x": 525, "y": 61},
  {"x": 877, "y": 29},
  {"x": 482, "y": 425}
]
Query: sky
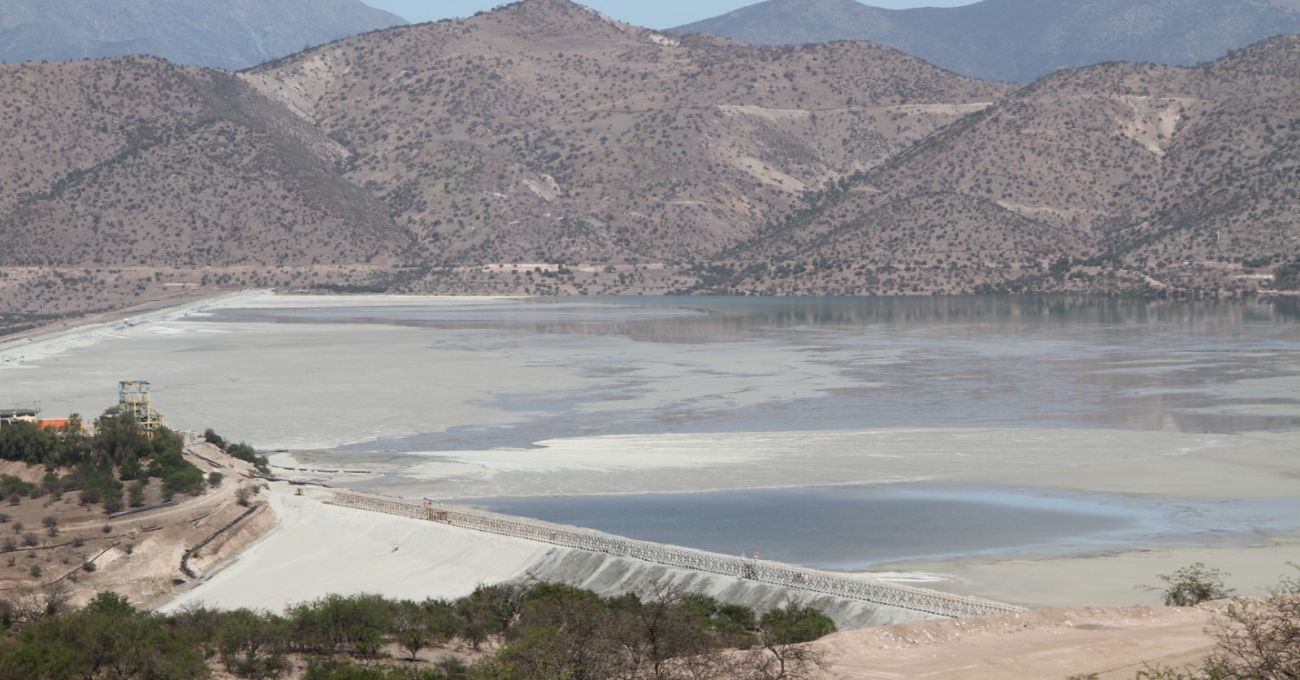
[{"x": 649, "y": 13}]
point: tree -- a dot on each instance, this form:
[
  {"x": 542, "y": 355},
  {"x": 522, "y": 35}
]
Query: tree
[
  {"x": 251, "y": 644},
  {"x": 796, "y": 623},
  {"x": 1261, "y": 640},
  {"x": 410, "y": 629},
  {"x": 107, "y": 639},
  {"x": 1194, "y": 584}
]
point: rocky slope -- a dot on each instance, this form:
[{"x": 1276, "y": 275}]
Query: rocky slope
[
  {"x": 230, "y": 34},
  {"x": 1020, "y": 40},
  {"x": 137, "y": 162},
  {"x": 545, "y": 132},
  {"x": 543, "y": 148},
  {"x": 1160, "y": 173}
]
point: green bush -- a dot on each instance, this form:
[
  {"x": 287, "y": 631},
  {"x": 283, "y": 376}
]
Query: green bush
[
  {"x": 546, "y": 632},
  {"x": 185, "y": 479},
  {"x": 107, "y": 639},
  {"x": 796, "y": 623},
  {"x": 1194, "y": 584}
]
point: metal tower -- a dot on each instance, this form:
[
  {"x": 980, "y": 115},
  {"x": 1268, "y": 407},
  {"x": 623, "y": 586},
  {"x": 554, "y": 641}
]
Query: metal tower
[{"x": 133, "y": 398}]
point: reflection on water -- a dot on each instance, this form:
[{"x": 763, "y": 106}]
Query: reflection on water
[
  {"x": 872, "y": 525},
  {"x": 1052, "y": 361},
  {"x": 713, "y": 319}
]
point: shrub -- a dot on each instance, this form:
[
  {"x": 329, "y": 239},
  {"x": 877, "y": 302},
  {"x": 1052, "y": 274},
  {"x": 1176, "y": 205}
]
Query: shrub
[
  {"x": 796, "y": 623},
  {"x": 1261, "y": 639},
  {"x": 210, "y": 436},
  {"x": 248, "y": 454},
  {"x": 185, "y": 479},
  {"x": 14, "y": 488},
  {"x": 1192, "y": 585},
  {"x": 135, "y": 493}
]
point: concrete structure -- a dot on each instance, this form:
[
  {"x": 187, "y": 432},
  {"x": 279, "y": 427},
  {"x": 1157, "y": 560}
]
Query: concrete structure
[
  {"x": 134, "y": 397},
  {"x": 18, "y": 415},
  {"x": 783, "y": 577}
]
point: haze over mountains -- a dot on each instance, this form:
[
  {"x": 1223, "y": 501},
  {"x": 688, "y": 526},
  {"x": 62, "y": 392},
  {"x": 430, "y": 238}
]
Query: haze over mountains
[
  {"x": 544, "y": 148},
  {"x": 1020, "y": 40},
  {"x": 229, "y": 34}
]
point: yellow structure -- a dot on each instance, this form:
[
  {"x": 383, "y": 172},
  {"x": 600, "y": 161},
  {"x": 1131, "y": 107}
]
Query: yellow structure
[{"x": 133, "y": 397}]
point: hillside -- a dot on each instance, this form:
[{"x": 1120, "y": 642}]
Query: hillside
[
  {"x": 544, "y": 132},
  {"x": 128, "y": 178},
  {"x": 1020, "y": 40},
  {"x": 1161, "y": 174},
  {"x": 134, "y": 161},
  {"x": 229, "y": 34},
  {"x": 543, "y": 148}
]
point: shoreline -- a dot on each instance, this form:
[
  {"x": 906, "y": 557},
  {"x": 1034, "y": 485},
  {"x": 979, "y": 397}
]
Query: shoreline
[
  {"x": 82, "y": 321},
  {"x": 15, "y": 350}
]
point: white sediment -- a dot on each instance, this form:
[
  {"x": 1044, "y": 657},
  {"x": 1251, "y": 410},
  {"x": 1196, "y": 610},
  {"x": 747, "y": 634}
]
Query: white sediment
[
  {"x": 1253, "y": 465},
  {"x": 26, "y": 350},
  {"x": 317, "y": 549}
]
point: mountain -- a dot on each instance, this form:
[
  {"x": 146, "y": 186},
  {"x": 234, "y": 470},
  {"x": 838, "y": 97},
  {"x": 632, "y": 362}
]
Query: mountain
[
  {"x": 229, "y": 34},
  {"x": 134, "y": 161},
  {"x": 129, "y": 179},
  {"x": 1164, "y": 175},
  {"x": 1020, "y": 40},
  {"x": 544, "y": 148},
  {"x": 545, "y": 132}
]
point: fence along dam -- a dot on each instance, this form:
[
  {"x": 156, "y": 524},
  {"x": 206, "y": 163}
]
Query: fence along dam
[{"x": 610, "y": 564}]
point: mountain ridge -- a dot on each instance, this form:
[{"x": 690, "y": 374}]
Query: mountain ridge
[
  {"x": 543, "y": 148},
  {"x": 228, "y": 34},
  {"x": 1020, "y": 40}
]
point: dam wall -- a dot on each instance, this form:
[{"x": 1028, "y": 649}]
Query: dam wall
[{"x": 607, "y": 563}]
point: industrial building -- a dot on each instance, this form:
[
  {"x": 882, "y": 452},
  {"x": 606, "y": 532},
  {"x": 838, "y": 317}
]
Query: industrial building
[
  {"x": 133, "y": 397},
  {"x": 18, "y": 415}
]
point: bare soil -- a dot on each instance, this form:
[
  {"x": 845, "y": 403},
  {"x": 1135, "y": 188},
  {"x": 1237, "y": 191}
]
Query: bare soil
[
  {"x": 1053, "y": 643},
  {"x": 136, "y": 555}
]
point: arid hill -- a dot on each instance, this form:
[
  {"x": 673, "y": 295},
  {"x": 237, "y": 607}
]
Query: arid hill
[
  {"x": 1154, "y": 173},
  {"x": 545, "y": 132},
  {"x": 137, "y": 162},
  {"x": 1020, "y": 40},
  {"x": 230, "y": 34},
  {"x": 126, "y": 180},
  {"x": 544, "y": 148}
]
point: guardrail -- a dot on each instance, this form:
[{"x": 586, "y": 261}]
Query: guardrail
[{"x": 761, "y": 571}]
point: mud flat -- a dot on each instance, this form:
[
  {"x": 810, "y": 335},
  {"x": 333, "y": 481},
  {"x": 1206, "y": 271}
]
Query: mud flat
[
  {"x": 456, "y": 398},
  {"x": 1116, "y": 578}
]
